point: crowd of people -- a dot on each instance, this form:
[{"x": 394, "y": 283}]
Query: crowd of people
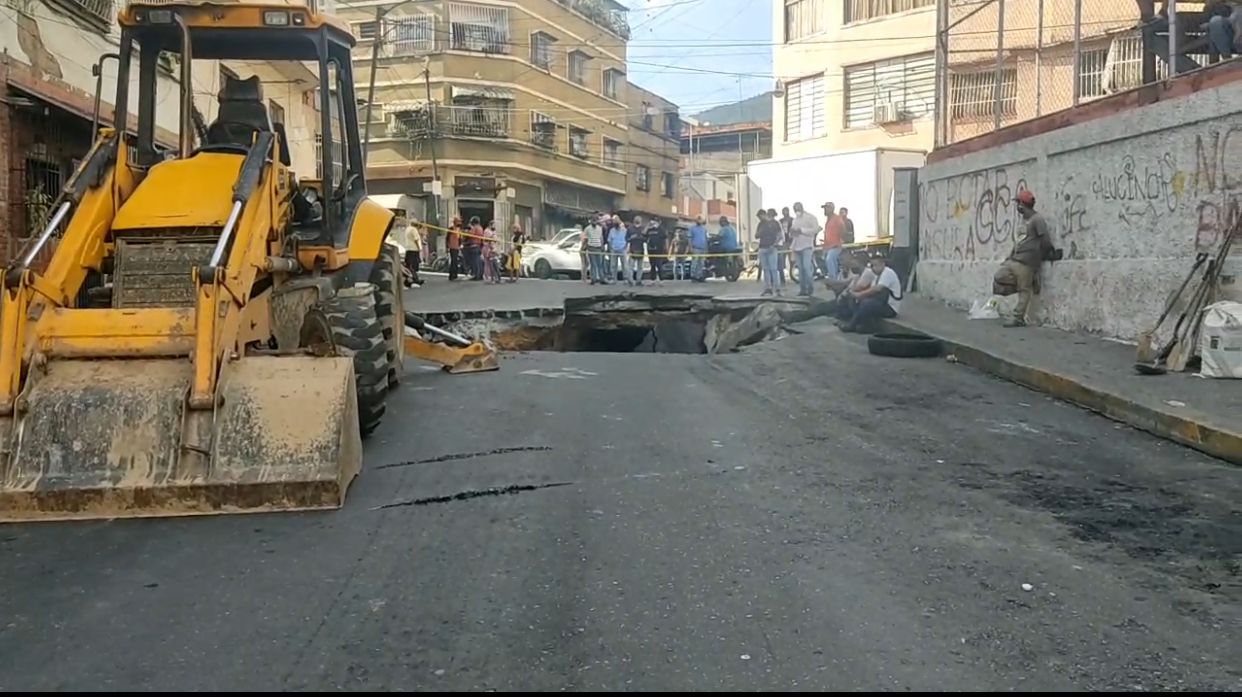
[
  {"x": 614, "y": 251},
  {"x": 866, "y": 288},
  {"x": 610, "y": 249}
]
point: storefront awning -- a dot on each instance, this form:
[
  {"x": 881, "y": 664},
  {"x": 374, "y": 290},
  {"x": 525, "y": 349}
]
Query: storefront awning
[
  {"x": 405, "y": 105},
  {"x": 483, "y": 92}
]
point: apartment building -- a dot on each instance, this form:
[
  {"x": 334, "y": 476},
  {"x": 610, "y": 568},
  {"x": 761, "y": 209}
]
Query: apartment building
[
  {"x": 514, "y": 112},
  {"x": 855, "y": 74},
  {"x": 1038, "y": 72},
  {"x": 47, "y": 51},
  {"x": 652, "y": 155},
  {"x": 855, "y": 99},
  {"x": 50, "y": 49}
]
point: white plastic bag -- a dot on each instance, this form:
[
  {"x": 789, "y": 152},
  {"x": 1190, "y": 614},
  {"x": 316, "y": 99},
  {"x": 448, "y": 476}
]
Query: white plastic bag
[
  {"x": 1220, "y": 340},
  {"x": 986, "y": 309}
]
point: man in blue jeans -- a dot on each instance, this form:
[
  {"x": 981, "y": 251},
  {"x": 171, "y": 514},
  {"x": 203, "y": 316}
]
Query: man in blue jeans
[
  {"x": 698, "y": 247},
  {"x": 769, "y": 233},
  {"x": 805, "y": 227}
]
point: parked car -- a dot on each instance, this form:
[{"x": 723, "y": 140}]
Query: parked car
[
  {"x": 559, "y": 259},
  {"x": 560, "y": 236}
]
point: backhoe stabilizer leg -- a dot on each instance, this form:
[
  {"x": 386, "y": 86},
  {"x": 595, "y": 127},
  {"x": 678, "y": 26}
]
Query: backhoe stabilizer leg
[{"x": 477, "y": 357}]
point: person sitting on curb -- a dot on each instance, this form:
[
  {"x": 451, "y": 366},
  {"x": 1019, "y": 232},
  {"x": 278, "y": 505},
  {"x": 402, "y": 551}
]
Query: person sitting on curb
[
  {"x": 1019, "y": 274},
  {"x": 857, "y": 276},
  {"x": 880, "y": 301}
]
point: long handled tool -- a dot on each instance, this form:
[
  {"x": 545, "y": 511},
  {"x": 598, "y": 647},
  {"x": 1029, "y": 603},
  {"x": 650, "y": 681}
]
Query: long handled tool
[
  {"x": 1180, "y": 348},
  {"x": 1145, "y": 352},
  {"x": 1189, "y": 344}
]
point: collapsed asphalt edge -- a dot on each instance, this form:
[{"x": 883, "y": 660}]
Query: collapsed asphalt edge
[{"x": 1214, "y": 441}]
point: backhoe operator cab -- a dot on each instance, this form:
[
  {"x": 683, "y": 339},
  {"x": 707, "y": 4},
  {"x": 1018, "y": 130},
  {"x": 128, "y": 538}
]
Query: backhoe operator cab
[
  {"x": 208, "y": 32},
  {"x": 208, "y": 336}
]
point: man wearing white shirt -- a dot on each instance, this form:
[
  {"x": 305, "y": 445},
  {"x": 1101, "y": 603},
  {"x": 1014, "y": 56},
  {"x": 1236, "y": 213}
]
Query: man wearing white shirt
[
  {"x": 593, "y": 244},
  {"x": 882, "y": 300},
  {"x": 805, "y": 227}
]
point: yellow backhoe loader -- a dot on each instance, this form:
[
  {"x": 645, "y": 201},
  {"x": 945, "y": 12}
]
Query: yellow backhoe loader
[{"x": 210, "y": 335}]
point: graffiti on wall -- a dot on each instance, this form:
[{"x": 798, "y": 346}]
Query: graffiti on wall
[
  {"x": 971, "y": 216},
  {"x": 1123, "y": 198},
  {"x": 1218, "y": 186}
]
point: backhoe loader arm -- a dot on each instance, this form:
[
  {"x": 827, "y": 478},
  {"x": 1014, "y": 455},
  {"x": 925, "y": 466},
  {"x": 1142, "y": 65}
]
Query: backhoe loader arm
[
  {"x": 88, "y": 204},
  {"x": 223, "y": 291}
]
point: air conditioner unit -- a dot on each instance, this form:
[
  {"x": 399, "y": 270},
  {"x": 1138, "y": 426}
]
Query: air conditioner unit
[{"x": 886, "y": 112}]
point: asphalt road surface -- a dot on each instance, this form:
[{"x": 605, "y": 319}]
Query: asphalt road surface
[{"x": 799, "y": 516}]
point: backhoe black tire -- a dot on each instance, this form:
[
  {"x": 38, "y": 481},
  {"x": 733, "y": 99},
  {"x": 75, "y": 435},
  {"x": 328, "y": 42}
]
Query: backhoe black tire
[
  {"x": 356, "y": 332},
  {"x": 385, "y": 276}
]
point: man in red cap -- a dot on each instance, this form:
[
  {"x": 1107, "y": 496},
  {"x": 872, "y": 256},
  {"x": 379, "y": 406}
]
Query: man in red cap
[{"x": 1020, "y": 272}]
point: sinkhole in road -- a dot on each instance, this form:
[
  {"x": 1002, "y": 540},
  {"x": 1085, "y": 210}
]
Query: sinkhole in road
[
  {"x": 644, "y": 324},
  {"x": 631, "y": 333}
]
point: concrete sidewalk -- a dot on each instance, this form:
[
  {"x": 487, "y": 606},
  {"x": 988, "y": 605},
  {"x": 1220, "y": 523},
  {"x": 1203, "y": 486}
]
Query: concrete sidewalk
[{"x": 1205, "y": 414}]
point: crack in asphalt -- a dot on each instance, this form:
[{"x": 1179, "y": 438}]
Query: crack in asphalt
[
  {"x": 474, "y": 494},
  {"x": 467, "y": 456}
]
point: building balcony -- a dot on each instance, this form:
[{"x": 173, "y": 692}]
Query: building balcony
[
  {"x": 456, "y": 120},
  {"x": 604, "y": 14}
]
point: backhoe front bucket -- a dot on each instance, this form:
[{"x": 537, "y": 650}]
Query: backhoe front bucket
[{"x": 105, "y": 439}]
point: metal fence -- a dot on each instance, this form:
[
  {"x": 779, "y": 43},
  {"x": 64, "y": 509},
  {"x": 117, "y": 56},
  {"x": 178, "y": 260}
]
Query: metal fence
[{"x": 1001, "y": 62}]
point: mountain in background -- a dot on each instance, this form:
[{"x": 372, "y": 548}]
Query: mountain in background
[{"x": 756, "y": 108}]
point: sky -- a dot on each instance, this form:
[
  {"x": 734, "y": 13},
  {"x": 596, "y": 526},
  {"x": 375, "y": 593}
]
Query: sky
[{"x": 688, "y": 50}]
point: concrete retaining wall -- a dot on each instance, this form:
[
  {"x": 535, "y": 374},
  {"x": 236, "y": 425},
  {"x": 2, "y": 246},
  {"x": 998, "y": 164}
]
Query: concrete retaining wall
[{"x": 1131, "y": 196}]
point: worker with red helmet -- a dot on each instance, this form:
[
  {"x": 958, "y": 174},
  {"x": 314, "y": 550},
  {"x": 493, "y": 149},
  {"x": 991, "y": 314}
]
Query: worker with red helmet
[{"x": 1019, "y": 274}]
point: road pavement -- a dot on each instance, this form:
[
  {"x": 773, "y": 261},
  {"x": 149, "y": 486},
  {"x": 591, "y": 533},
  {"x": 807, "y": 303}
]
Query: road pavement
[{"x": 798, "y": 516}]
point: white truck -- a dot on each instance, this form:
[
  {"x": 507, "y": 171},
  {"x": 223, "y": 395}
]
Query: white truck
[{"x": 861, "y": 181}]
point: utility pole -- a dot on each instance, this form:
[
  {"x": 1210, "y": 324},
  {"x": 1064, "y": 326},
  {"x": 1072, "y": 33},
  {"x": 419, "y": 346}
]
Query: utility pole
[
  {"x": 375, "y": 47},
  {"x": 435, "y": 132}
]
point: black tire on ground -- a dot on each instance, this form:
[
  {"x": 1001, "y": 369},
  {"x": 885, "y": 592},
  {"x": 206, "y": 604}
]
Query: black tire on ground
[
  {"x": 346, "y": 325},
  {"x": 902, "y": 345},
  {"x": 543, "y": 269},
  {"x": 385, "y": 276}
]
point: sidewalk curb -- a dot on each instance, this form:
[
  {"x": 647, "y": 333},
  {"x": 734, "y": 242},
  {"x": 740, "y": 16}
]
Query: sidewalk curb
[{"x": 1215, "y": 441}]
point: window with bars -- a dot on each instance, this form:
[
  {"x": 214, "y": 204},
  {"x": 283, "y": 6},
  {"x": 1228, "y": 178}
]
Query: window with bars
[
  {"x": 543, "y": 131},
  {"x": 366, "y": 31},
  {"x": 577, "y": 66},
  {"x": 578, "y": 142},
  {"x": 972, "y": 95},
  {"x": 541, "y": 49},
  {"x": 483, "y": 28},
  {"x": 276, "y": 111},
  {"x": 908, "y": 82},
  {"x": 612, "y": 83},
  {"x": 612, "y": 153},
  {"x": 804, "y": 18},
  {"x": 642, "y": 178},
  {"x": 1123, "y": 67},
  {"x": 407, "y": 36},
  {"x": 480, "y": 117},
  {"x": 804, "y": 109},
  {"x": 861, "y": 10},
  {"x": 1091, "y": 68},
  {"x": 668, "y": 181},
  {"x": 99, "y": 14}
]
